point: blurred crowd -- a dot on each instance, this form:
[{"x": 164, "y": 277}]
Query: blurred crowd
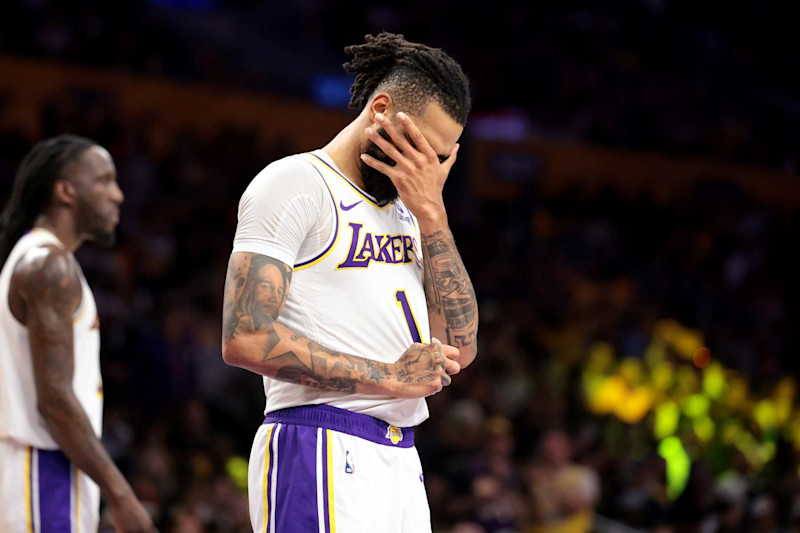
[
  {"x": 513, "y": 445},
  {"x": 705, "y": 78}
]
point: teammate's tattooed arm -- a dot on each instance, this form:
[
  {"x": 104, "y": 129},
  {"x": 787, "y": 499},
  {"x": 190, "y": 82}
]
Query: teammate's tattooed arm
[
  {"x": 44, "y": 294},
  {"x": 256, "y": 288}
]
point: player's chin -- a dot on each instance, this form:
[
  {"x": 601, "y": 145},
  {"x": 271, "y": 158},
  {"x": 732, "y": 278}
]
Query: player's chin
[{"x": 105, "y": 238}]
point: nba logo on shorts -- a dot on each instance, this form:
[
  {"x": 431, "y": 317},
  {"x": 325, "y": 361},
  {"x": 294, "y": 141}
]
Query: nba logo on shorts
[
  {"x": 348, "y": 462},
  {"x": 394, "y": 434}
]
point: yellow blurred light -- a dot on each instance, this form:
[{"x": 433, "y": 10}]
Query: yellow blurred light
[
  {"x": 765, "y": 414},
  {"x": 611, "y": 393},
  {"x": 237, "y": 471},
  {"x": 686, "y": 381},
  {"x": 631, "y": 370},
  {"x": 767, "y": 451},
  {"x": 667, "y": 417},
  {"x": 678, "y": 465},
  {"x": 792, "y": 431},
  {"x": 745, "y": 443},
  {"x": 704, "y": 428},
  {"x": 731, "y": 432},
  {"x": 655, "y": 353},
  {"x": 637, "y": 403},
  {"x": 601, "y": 357},
  {"x": 663, "y": 376},
  {"x": 737, "y": 392},
  {"x": 592, "y": 383},
  {"x": 666, "y": 330},
  {"x": 783, "y": 411},
  {"x": 686, "y": 341},
  {"x": 714, "y": 381},
  {"x": 696, "y": 406},
  {"x": 786, "y": 388}
]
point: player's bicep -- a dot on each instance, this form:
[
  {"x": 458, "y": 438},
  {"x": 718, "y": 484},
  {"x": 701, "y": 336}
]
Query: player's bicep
[
  {"x": 52, "y": 292},
  {"x": 256, "y": 288}
]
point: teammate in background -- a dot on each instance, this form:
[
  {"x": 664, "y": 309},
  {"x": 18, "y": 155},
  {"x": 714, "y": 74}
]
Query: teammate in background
[
  {"x": 51, "y": 394},
  {"x": 338, "y": 255}
]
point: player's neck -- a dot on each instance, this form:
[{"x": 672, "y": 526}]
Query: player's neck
[
  {"x": 62, "y": 227},
  {"x": 345, "y": 151}
]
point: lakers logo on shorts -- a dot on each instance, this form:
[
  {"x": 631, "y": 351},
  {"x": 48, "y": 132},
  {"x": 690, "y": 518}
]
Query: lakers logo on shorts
[{"x": 394, "y": 434}]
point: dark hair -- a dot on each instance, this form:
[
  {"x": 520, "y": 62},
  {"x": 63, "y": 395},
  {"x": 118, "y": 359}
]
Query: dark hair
[
  {"x": 413, "y": 73},
  {"x": 33, "y": 186}
]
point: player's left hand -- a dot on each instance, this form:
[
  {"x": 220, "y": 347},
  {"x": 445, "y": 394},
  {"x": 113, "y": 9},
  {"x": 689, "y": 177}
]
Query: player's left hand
[{"x": 417, "y": 174}]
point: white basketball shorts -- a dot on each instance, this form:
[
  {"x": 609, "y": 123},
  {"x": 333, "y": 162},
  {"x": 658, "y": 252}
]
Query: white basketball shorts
[
  {"x": 42, "y": 492},
  {"x": 320, "y": 469}
]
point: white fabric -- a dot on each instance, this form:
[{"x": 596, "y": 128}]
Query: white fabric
[
  {"x": 20, "y": 492},
  {"x": 284, "y": 214},
  {"x": 19, "y": 417},
  {"x": 375, "y": 487}
]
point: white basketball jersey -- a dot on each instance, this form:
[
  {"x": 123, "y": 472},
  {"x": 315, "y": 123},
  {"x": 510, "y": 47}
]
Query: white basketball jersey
[
  {"x": 361, "y": 295},
  {"x": 19, "y": 417}
]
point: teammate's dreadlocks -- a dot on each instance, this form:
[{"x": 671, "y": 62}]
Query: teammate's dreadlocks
[
  {"x": 33, "y": 186},
  {"x": 412, "y": 73}
]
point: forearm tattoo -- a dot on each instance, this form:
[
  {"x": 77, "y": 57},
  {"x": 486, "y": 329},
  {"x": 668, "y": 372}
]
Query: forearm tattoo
[
  {"x": 255, "y": 294},
  {"x": 449, "y": 290}
]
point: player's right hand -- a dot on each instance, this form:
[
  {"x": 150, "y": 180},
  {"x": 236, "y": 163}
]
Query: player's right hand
[
  {"x": 425, "y": 369},
  {"x": 129, "y": 516}
]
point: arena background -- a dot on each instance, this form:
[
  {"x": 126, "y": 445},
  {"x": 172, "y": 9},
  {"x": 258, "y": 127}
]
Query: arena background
[{"x": 626, "y": 200}]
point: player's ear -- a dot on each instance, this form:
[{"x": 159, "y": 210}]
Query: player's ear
[
  {"x": 64, "y": 192},
  {"x": 380, "y": 103}
]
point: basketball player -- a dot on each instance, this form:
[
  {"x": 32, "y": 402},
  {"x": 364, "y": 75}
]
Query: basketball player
[
  {"x": 51, "y": 394},
  {"x": 343, "y": 275}
]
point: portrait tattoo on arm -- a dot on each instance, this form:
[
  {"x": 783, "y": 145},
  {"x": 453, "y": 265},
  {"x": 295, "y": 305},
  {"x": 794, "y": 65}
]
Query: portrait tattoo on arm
[
  {"x": 256, "y": 289},
  {"x": 448, "y": 290}
]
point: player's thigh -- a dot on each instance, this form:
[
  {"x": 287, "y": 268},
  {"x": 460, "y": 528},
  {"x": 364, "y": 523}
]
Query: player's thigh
[
  {"x": 40, "y": 490},
  {"x": 416, "y": 511},
  {"x": 366, "y": 486},
  {"x": 286, "y": 480},
  {"x": 256, "y": 475},
  {"x": 15, "y": 487},
  {"x": 87, "y": 503}
]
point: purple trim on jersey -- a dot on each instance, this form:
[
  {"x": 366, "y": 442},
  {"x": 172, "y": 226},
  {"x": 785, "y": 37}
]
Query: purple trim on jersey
[
  {"x": 336, "y": 229},
  {"x": 353, "y": 185},
  {"x": 343, "y": 421},
  {"x": 325, "y": 503},
  {"x": 54, "y": 491},
  {"x": 295, "y": 506},
  {"x": 401, "y": 297}
]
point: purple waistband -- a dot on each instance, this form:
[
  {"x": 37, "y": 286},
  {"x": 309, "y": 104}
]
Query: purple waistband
[{"x": 344, "y": 421}]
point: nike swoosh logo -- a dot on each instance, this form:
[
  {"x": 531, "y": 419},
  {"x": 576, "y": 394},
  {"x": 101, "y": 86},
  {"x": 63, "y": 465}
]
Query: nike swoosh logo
[{"x": 348, "y": 207}]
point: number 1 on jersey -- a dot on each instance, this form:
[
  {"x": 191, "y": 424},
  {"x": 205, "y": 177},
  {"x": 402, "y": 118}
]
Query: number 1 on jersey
[{"x": 402, "y": 301}]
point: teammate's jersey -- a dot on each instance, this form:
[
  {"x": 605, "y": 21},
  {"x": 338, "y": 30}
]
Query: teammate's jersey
[
  {"x": 19, "y": 417},
  {"x": 357, "y": 281}
]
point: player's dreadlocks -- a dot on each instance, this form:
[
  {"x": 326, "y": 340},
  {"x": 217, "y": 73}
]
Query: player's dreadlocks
[
  {"x": 33, "y": 186},
  {"x": 414, "y": 74}
]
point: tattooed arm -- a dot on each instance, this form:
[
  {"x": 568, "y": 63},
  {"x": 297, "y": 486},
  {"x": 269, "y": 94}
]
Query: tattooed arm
[
  {"x": 256, "y": 288},
  {"x": 419, "y": 174},
  {"x": 45, "y": 292},
  {"x": 452, "y": 307}
]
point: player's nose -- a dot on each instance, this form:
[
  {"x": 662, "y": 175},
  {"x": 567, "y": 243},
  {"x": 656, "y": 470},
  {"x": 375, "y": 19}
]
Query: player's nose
[{"x": 117, "y": 196}]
